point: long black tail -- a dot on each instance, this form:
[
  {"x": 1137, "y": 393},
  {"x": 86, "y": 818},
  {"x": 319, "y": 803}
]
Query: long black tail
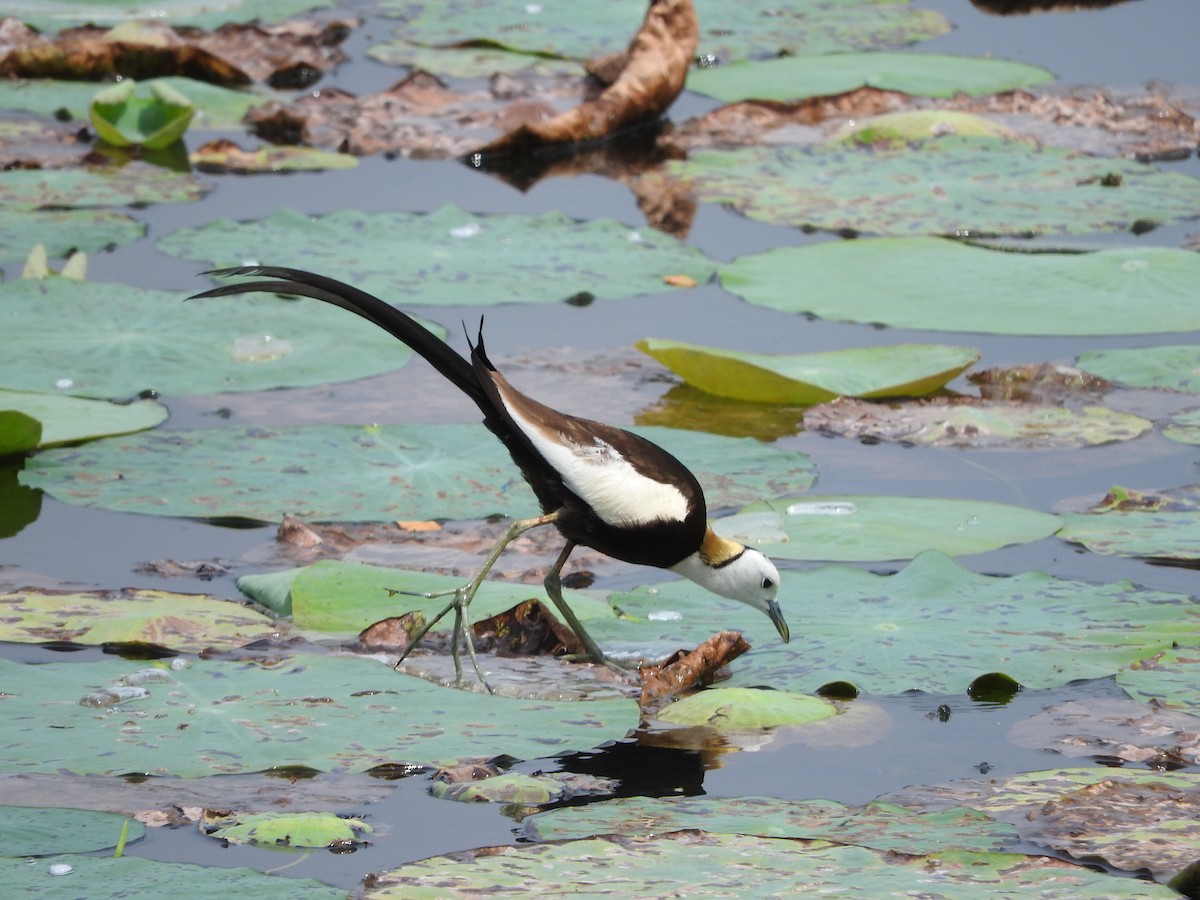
[{"x": 403, "y": 327}]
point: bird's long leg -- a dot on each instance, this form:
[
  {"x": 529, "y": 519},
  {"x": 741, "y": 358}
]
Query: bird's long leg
[
  {"x": 553, "y": 583},
  {"x": 465, "y": 594}
]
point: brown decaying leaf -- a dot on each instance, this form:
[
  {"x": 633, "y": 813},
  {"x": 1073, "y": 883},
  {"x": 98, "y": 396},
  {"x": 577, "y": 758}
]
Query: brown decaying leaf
[
  {"x": 528, "y": 629},
  {"x": 1112, "y": 730},
  {"x": 391, "y": 635},
  {"x": 655, "y": 68},
  {"x": 685, "y": 671},
  {"x": 1038, "y": 383}
]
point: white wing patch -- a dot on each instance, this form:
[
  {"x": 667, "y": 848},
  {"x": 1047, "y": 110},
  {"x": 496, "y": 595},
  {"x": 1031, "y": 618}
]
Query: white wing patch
[{"x": 618, "y": 493}]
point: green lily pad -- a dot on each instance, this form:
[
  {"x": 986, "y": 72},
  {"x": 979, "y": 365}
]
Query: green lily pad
[
  {"x": 186, "y": 623},
  {"x": 950, "y": 185},
  {"x": 880, "y": 632},
  {"x": 330, "y": 713},
  {"x": 902, "y": 370},
  {"x": 68, "y": 419},
  {"x": 797, "y": 76},
  {"x": 155, "y": 122},
  {"x": 226, "y": 156},
  {"x": 63, "y": 231},
  {"x": 878, "y": 826},
  {"x": 216, "y": 107},
  {"x": 54, "y": 14},
  {"x": 469, "y": 61},
  {"x": 451, "y": 257},
  {"x": 1170, "y": 678},
  {"x": 19, "y": 432},
  {"x": 1183, "y": 427},
  {"x": 305, "y": 829},
  {"x": 868, "y": 528},
  {"x": 918, "y": 125},
  {"x": 27, "y": 189},
  {"x": 112, "y": 340},
  {"x": 708, "y": 865},
  {"x": 939, "y": 285},
  {"x": 1173, "y": 367},
  {"x": 106, "y": 878},
  {"x": 47, "y": 830},
  {"x": 375, "y": 473},
  {"x": 1160, "y": 525},
  {"x": 755, "y": 28},
  {"x": 746, "y": 708},
  {"x": 511, "y": 787}
]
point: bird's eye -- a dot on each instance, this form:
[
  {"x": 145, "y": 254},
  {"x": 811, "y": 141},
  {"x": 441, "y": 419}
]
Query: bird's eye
[{"x": 768, "y": 584}]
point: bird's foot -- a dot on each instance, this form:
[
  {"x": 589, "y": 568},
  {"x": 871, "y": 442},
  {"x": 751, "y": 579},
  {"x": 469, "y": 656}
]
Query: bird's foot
[{"x": 461, "y": 628}]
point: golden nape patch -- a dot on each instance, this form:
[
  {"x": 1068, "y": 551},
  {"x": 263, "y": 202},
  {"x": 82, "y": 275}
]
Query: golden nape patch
[{"x": 716, "y": 551}]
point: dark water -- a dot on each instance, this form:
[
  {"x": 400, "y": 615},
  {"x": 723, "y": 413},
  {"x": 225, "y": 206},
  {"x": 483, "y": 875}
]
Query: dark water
[{"x": 1127, "y": 45}]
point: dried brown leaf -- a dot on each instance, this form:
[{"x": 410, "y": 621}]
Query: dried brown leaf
[{"x": 685, "y": 671}]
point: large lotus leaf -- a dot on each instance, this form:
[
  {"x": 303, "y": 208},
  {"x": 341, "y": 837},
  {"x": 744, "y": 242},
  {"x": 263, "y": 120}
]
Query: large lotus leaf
[
  {"x": 900, "y": 370},
  {"x": 1184, "y": 427},
  {"x": 339, "y": 596},
  {"x": 451, "y": 257},
  {"x": 877, "y": 826},
  {"x": 948, "y": 185},
  {"x": 62, "y": 231},
  {"x": 1174, "y": 367},
  {"x": 187, "y": 623},
  {"x": 111, "y": 340},
  {"x": 880, "y": 632},
  {"x": 746, "y": 708},
  {"x": 1161, "y": 524},
  {"x": 695, "y": 864},
  {"x": 66, "y": 419},
  {"x": 216, "y": 106},
  {"x": 53, "y": 14},
  {"x": 366, "y": 473},
  {"x": 940, "y": 285},
  {"x": 923, "y": 74},
  {"x": 329, "y": 713},
  {"x": 46, "y": 830},
  {"x": 1170, "y": 678},
  {"x": 867, "y": 528},
  {"x": 80, "y": 188},
  {"x": 755, "y": 28},
  {"x": 109, "y": 878}
]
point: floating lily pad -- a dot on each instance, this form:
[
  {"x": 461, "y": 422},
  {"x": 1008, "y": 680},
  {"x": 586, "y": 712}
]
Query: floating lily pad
[
  {"x": 1184, "y": 427},
  {"x": 54, "y": 14},
  {"x": 470, "y": 61},
  {"x": 187, "y": 623},
  {"x": 866, "y": 528},
  {"x": 879, "y": 826},
  {"x": 948, "y": 185},
  {"x": 333, "y": 714},
  {"x": 756, "y": 28},
  {"x": 1161, "y": 525},
  {"x": 62, "y": 231},
  {"x": 708, "y": 865},
  {"x": 880, "y": 632},
  {"x": 966, "y": 422},
  {"x": 275, "y": 830},
  {"x": 918, "y": 125},
  {"x": 450, "y": 257},
  {"x": 795, "y": 77},
  {"x": 902, "y": 370},
  {"x": 226, "y": 156},
  {"x": 122, "y": 118},
  {"x": 367, "y": 473},
  {"x": 511, "y": 787},
  {"x": 47, "y": 830},
  {"x": 939, "y": 285},
  {"x": 67, "y": 419},
  {"x": 1170, "y": 678},
  {"x": 81, "y": 188},
  {"x": 19, "y": 433},
  {"x": 1174, "y": 367},
  {"x": 111, "y": 340},
  {"x": 746, "y": 708},
  {"x": 1145, "y": 733}
]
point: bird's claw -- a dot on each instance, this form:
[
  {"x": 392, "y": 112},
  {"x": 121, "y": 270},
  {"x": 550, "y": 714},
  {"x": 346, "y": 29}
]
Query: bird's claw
[{"x": 462, "y": 600}]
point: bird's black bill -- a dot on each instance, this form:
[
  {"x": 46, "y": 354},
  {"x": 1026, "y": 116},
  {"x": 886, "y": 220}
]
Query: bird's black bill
[{"x": 776, "y": 615}]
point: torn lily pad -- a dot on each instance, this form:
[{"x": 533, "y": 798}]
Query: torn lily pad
[
  {"x": 124, "y": 118},
  {"x": 67, "y": 419},
  {"x": 901, "y": 370},
  {"x": 974, "y": 289}
]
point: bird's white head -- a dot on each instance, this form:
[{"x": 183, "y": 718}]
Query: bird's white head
[{"x": 740, "y": 573}]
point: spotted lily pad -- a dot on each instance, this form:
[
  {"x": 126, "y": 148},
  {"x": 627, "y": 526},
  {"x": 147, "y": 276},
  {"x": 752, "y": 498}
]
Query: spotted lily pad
[
  {"x": 343, "y": 714},
  {"x": 797, "y": 76},
  {"x": 375, "y": 473},
  {"x": 63, "y": 231},
  {"x": 66, "y": 419},
  {"x": 879, "y": 632},
  {"x": 42, "y": 831},
  {"x": 948, "y": 185},
  {"x": 111, "y": 340},
  {"x": 1170, "y": 678},
  {"x": 901, "y": 370},
  {"x": 304, "y": 829},
  {"x": 976, "y": 289},
  {"x": 451, "y": 257},
  {"x": 1161, "y": 525},
  {"x": 82, "y": 188},
  {"x": 845, "y": 528},
  {"x": 123, "y": 118},
  {"x": 1173, "y": 367}
]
